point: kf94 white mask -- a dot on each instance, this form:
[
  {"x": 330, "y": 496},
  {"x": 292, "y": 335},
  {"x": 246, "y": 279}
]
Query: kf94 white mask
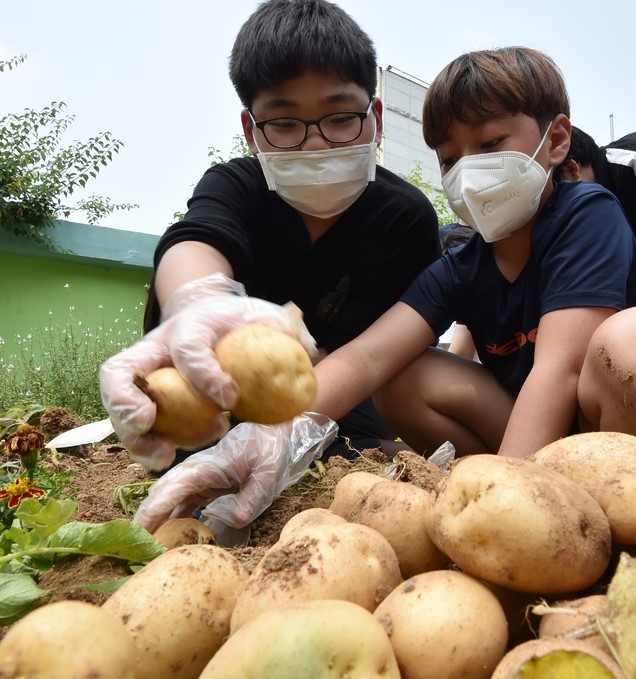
[
  {"x": 496, "y": 193},
  {"x": 320, "y": 183}
]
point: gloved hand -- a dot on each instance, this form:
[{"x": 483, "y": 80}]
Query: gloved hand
[
  {"x": 195, "y": 317},
  {"x": 238, "y": 478}
]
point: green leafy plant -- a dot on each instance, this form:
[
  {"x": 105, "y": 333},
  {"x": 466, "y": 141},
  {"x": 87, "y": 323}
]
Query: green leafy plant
[
  {"x": 437, "y": 197},
  {"x": 38, "y": 174},
  {"x": 37, "y": 529}
]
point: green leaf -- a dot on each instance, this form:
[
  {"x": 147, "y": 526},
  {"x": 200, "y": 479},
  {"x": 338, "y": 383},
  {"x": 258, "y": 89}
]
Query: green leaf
[
  {"x": 45, "y": 519},
  {"x": 18, "y": 593},
  {"x": 119, "y": 538},
  {"x": 110, "y": 586}
]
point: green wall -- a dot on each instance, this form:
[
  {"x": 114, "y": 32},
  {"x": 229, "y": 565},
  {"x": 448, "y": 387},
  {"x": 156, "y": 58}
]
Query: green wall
[{"x": 100, "y": 288}]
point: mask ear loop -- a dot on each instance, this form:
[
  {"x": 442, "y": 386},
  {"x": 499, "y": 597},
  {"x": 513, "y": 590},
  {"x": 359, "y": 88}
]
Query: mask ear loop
[{"x": 534, "y": 155}]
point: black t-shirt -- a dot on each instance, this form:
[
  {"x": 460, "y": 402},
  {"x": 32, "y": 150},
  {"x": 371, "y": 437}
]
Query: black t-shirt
[
  {"x": 616, "y": 171},
  {"x": 344, "y": 280}
]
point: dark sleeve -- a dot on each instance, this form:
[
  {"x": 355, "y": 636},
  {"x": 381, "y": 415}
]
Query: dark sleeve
[
  {"x": 579, "y": 268},
  {"x": 617, "y": 172}
]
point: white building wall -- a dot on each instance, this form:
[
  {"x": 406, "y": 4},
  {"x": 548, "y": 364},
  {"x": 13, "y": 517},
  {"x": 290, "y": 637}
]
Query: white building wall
[{"x": 403, "y": 144}]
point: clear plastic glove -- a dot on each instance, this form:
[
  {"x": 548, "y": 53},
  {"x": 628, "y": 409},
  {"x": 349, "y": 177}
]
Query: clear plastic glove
[
  {"x": 195, "y": 317},
  {"x": 238, "y": 478}
]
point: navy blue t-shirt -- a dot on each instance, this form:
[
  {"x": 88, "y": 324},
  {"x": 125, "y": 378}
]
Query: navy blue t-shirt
[{"x": 582, "y": 255}]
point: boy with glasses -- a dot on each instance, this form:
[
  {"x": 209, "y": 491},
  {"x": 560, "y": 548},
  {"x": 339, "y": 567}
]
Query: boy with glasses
[{"x": 309, "y": 219}]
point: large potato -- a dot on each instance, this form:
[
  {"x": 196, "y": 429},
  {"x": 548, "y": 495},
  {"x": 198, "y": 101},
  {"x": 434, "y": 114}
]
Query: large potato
[
  {"x": 444, "y": 625},
  {"x": 342, "y": 561},
  {"x": 314, "y": 516},
  {"x": 68, "y": 640},
  {"x": 604, "y": 463},
  {"x": 516, "y": 524},
  {"x": 177, "y": 609},
  {"x": 325, "y": 639},
  {"x": 184, "y": 531},
  {"x": 401, "y": 512},
  {"x": 273, "y": 372}
]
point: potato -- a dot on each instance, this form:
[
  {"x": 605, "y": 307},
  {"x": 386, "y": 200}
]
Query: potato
[
  {"x": 314, "y": 516},
  {"x": 351, "y": 489},
  {"x": 557, "y": 659},
  {"x": 401, "y": 511},
  {"x": 444, "y": 625},
  {"x": 574, "y": 619},
  {"x": 325, "y": 639},
  {"x": 184, "y": 531},
  {"x": 273, "y": 372},
  {"x": 617, "y": 498},
  {"x": 343, "y": 561},
  {"x": 604, "y": 463},
  {"x": 182, "y": 416},
  {"x": 177, "y": 609},
  {"x": 516, "y": 524},
  {"x": 68, "y": 640}
]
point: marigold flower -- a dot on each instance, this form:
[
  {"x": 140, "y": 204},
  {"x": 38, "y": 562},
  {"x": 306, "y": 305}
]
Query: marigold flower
[
  {"x": 26, "y": 439},
  {"x": 16, "y": 492}
]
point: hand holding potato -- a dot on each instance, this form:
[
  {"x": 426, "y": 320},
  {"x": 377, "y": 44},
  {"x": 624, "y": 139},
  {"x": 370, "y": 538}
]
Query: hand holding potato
[{"x": 198, "y": 315}]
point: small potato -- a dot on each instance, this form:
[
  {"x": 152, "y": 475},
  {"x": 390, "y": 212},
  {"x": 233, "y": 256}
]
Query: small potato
[
  {"x": 182, "y": 416},
  {"x": 401, "y": 512},
  {"x": 516, "y": 524},
  {"x": 444, "y": 625},
  {"x": 351, "y": 489},
  {"x": 68, "y": 640},
  {"x": 343, "y": 561},
  {"x": 177, "y": 609},
  {"x": 557, "y": 659},
  {"x": 184, "y": 531},
  {"x": 324, "y": 639},
  {"x": 575, "y": 619},
  {"x": 314, "y": 516},
  {"x": 273, "y": 372}
]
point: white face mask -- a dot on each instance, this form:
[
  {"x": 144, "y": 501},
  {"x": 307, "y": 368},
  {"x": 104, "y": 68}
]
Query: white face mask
[
  {"x": 320, "y": 183},
  {"x": 496, "y": 193}
]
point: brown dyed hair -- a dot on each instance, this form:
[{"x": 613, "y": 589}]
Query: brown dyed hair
[{"x": 480, "y": 85}]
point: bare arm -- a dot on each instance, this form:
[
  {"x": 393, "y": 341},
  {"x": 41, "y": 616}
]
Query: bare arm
[
  {"x": 357, "y": 370},
  {"x": 547, "y": 403},
  {"x": 185, "y": 262},
  {"x": 462, "y": 343}
]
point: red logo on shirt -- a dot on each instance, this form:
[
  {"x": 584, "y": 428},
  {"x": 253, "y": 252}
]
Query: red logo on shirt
[{"x": 507, "y": 348}]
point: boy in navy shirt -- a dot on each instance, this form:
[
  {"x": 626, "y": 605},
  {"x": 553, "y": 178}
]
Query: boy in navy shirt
[{"x": 554, "y": 262}]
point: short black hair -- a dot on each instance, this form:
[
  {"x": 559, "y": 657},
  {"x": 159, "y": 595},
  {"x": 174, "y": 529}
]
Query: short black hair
[
  {"x": 283, "y": 39},
  {"x": 583, "y": 149}
]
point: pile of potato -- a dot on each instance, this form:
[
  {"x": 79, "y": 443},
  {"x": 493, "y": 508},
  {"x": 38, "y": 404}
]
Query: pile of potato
[{"x": 508, "y": 569}]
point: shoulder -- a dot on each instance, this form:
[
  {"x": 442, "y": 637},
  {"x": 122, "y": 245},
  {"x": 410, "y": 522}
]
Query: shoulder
[
  {"x": 627, "y": 142},
  {"x": 237, "y": 170},
  {"x": 390, "y": 184}
]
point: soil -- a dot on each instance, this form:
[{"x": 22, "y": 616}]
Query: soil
[{"x": 100, "y": 471}]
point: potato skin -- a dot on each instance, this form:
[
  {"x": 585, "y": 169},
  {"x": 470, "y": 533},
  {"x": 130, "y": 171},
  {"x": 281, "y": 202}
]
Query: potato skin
[
  {"x": 184, "y": 531},
  {"x": 314, "y": 516},
  {"x": 513, "y": 663},
  {"x": 181, "y": 415},
  {"x": 579, "y": 621},
  {"x": 604, "y": 463},
  {"x": 401, "y": 512},
  {"x": 68, "y": 640},
  {"x": 323, "y": 639},
  {"x": 342, "y": 561},
  {"x": 273, "y": 372},
  {"x": 351, "y": 489},
  {"x": 177, "y": 609},
  {"x": 444, "y": 625},
  {"x": 516, "y": 524}
]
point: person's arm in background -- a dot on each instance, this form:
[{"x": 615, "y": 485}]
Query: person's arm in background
[{"x": 462, "y": 342}]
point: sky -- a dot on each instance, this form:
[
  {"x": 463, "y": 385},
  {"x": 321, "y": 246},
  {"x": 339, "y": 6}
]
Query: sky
[{"x": 153, "y": 73}]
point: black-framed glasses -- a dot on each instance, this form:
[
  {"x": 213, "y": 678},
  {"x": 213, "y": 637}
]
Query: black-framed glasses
[{"x": 337, "y": 128}]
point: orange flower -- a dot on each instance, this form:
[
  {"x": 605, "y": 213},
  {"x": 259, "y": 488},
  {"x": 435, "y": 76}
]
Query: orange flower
[
  {"x": 25, "y": 440},
  {"x": 16, "y": 492}
]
